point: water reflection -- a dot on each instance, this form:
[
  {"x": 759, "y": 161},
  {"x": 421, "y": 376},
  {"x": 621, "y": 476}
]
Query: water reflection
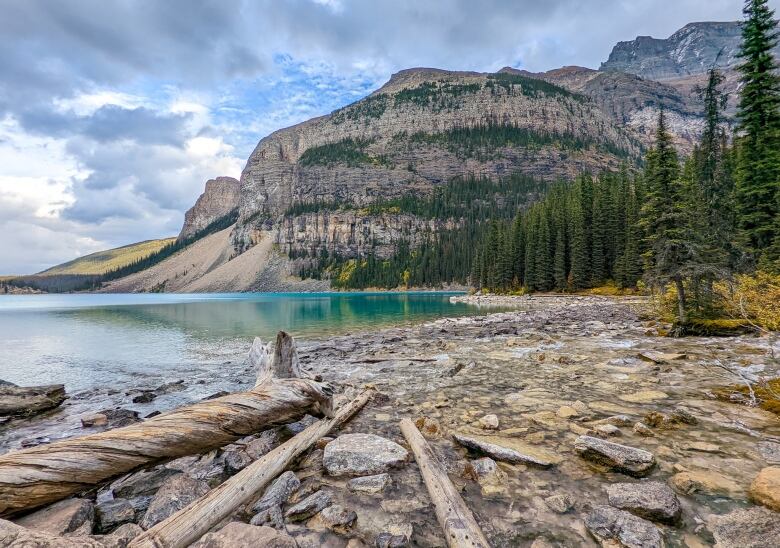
[{"x": 95, "y": 340}]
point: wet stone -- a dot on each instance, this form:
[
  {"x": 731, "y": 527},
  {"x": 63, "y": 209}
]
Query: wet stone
[
  {"x": 508, "y": 450},
  {"x": 309, "y": 506},
  {"x": 704, "y": 482},
  {"x": 489, "y": 422},
  {"x": 652, "y": 500},
  {"x": 94, "y": 420},
  {"x": 620, "y": 458},
  {"x": 560, "y": 504},
  {"x": 643, "y": 430},
  {"x": 362, "y": 454},
  {"x": 748, "y": 528},
  {"x": 120, "y": 417},
  {"x": 607, "y": 430},
  {"x": 369, "y": 484},
  {"x": 765, "y": 489},
  {"x": 770, "y": 451},
  {"x": 610, "y": 525}
]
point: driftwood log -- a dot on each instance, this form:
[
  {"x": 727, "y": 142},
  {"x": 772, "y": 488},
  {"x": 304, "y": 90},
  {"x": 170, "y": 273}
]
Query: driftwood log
[
  {"x": 189, "y": 524},
  {"x": 460, "y": 528},
  {"x": 33, "y": 477}
]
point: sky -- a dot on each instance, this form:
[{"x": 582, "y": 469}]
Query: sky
[{"x": 114, "y": 113}]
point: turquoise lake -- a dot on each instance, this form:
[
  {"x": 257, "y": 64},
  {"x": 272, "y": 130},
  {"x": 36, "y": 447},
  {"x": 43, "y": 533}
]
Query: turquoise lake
[{"x": 95, "y": 340}]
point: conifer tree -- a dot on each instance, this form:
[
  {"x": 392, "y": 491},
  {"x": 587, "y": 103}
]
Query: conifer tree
[{"x": 758, "y": 169}]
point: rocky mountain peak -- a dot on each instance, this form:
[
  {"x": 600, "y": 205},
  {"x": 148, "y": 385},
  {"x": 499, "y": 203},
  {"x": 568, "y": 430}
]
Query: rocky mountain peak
[
  {"x": 693, "y": 49},
  {"x": 218, "y": 199}
]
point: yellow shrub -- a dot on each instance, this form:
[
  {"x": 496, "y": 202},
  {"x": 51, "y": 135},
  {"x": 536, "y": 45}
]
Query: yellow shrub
[{"x": 755, "y": 297}]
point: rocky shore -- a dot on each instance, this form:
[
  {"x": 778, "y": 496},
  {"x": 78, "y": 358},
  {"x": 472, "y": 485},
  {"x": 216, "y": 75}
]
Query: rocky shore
[{"x": 566, "y": 422}]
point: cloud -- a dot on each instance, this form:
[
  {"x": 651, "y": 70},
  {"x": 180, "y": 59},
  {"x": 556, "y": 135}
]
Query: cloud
[{"x": 113, "y": 114}]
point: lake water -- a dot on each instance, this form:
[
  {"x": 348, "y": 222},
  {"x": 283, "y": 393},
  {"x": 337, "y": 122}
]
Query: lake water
[{"x": 97, "y": 340}]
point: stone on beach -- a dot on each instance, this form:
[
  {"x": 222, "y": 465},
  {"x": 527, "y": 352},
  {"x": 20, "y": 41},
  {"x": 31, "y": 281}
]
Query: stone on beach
[
  {"x": 269, "y": 508},
  {"x": 652, "y": 500},
  {"x": 309, "y": 506},
  {"x": 30, "y": 400},
  {"x": 489, "y": 422},
  {"x": 61, "y": 517},
  {"x": 369, "y": 484},
  {"x": 176, "y": 493},
  {"x": 560, "y": 503},
  {"x": 508, "y": 450},
  {"x": 620, "y": 458},
  {"x": 705, "y": 482},
  {"x": 613, "y": 527},
  {"x": 334, "y": 518},
  {"x": 237, "y": 534},
  {"x": 362, "y": 454},
  {"x": 765, "y": 489},
  {"x": 746, "y": 528}
]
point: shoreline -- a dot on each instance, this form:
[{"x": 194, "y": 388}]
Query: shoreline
[{"x": 553, "y": 369}]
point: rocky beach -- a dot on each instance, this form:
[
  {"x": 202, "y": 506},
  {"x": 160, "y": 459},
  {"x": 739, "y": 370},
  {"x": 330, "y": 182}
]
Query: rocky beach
[{"x": 567, "y": 421}]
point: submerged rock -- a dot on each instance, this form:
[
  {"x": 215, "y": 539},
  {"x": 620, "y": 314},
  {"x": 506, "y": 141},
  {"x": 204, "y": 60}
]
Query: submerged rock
[
  {"x": 765, "y": 489},
  {"x": 651, "y": 500},
  {"x": 362, "y": 454},
  {"x": 705, "y": 482},
  {"x": 176, "y": 493},
  {"x": 62, "y": 517},
  {"x": 770, "y": 451},
  {"x": 508, "y": 450},
  {"x": 369, "y": 484},
  {"x": 609, "y": 525},
  {"x": 94, "y": 420},
  {"x": 620, "y": 458},
  {"x": 237, "y": 534},
  {"x": 30, "y": 400},
  {"x": 559, "y": 504},
  {"x": 489, "y": 422},
  {"x": 748, "y": 528}
]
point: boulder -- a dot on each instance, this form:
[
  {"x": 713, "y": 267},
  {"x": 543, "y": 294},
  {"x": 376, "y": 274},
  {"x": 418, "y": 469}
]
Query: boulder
[
  {"x": 616, "y": 457},
  {"x": 309, "y": 506},
  {"x": 652, "y": 500},
  {"x": 369, "y": 484},
  {"x": 176, "y": 493},
  {"x": 560, "y": 503},
  {"x": 269, "y": 508},
  {"x": 65, "y": 516},
  {"x": 16, "y": 536},
  {"x": 610, "y": 526},
  {"x": 508, "y": 450},
  {"x": 120, "y": 417},
  {"x": 238, "y": 535},
  {"x": 362, "y": 454},
  {"x": 236, "y": 459},
  {"x": 94, "y": 420},
  {"x": 765, "y": 489},
  {"x": 748, "y": 528},
  {"x": 30, "y": 400}
]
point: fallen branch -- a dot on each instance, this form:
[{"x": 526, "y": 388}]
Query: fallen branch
[
  {"x": 189, "y": 524},
  {"x": 460, "y": 528},
  {"x": 33, "y": 477}
]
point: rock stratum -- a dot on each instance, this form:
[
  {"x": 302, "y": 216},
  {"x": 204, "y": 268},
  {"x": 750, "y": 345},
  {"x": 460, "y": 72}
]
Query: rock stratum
[{"x": 328, "y": 185}]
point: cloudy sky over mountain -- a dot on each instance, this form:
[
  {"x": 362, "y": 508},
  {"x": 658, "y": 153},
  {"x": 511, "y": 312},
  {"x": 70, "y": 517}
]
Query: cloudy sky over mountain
[{"x": 114, "y": 113}]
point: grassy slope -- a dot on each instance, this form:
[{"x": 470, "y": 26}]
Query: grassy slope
[{"x": 103, "y": 261}]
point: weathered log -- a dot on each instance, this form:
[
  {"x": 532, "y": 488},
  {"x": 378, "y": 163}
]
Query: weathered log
[
  {"x": 460, "y": 528},
  {"x": 33, "y": 477},
  {"x": 188, "y": 525}
]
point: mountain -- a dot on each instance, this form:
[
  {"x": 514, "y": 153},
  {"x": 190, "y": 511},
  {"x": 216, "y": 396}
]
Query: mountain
[
  {"x": 414, "y": 169},
  {"x": 218, "y": 199},
  {"x": 104, "y": 261}
]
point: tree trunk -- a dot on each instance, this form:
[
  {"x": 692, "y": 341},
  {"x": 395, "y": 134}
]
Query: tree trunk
[
  {"x": 33, "y": 477},
  {"x": 189, "y": 524},
  {"x": 461, "y": 530},
  {"x": 682, "y": 317}
]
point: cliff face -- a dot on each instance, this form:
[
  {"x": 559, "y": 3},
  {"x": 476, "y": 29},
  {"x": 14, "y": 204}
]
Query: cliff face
[
  {"x": 218, "y": 199},
  {"x": 422, "y": 128}
]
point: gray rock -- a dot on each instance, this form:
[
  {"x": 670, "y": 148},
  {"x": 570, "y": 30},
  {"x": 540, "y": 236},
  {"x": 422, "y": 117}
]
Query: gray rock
[
  {"x": 559, "y": 503},
  {"x": 65, "y": 516},
  {"x": 235, "y": 459},
  {"x": 219, "y": 198},
  {"x": 643, "y": 430},
  {"x": 362, "y": 454},
  {"x": 682, "y": 415},
  {"x": 617, "y": 420},
  {"x": 176, "y": 493},
  {"x": 517, "y": 453},
  {"x": 122, "y": 536},
  {"x": 241, "y": 535},
  {"x": 610, "y": 525},
  {"x": 142, "y": 483},
  {"x": 262, "y": 444},
  {"x": 335, "y": 517},
  {"x": 369, "y": 484},
  {"x": 269, "y": 508},
  {"x": 120, "y": 417},
  {"x": 112, "y": 513},
  {"x": 388, "y": 540},
  {"x": 607, "y": 430},
  {"x": 30, "y": 400},
  {"x": 309, "y": 506},
  {"x": 620, "y": 458},
  {"x": 651, "y": 500},
  {"x": 770, "y": 451},
  {"x": 747, "y": 528}
]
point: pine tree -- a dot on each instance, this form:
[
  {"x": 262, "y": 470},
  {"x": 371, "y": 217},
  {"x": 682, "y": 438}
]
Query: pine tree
[
  {"x": 758, "y": 170},
  {"x": 578, "y": 269}
]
